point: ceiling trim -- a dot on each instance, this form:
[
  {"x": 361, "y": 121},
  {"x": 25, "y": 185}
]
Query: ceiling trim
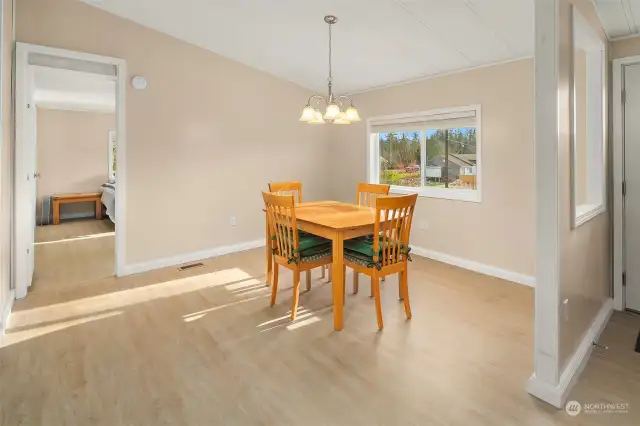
[
  {"x": 625, "y": 37},
  {"x": 442, "y": 74}
]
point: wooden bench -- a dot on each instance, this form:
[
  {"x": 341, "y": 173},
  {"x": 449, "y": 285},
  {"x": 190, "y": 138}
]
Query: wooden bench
[{"x": 93, "y": 197}]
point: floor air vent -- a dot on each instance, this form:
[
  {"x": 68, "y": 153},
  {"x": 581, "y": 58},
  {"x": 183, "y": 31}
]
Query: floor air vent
[{"x": 190, "y": 266}]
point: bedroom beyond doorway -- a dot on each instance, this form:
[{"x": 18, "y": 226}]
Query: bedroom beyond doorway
[
  {"x": 69, "y": 124},
  {"x": 75, "y": 187}
]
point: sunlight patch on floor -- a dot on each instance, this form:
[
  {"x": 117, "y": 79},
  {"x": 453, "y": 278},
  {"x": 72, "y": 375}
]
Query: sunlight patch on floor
[
  {"x": 124, "y": 298},
  {"x": 11, "y": 338},
  {"x": 200, "y": 314},
  {"x": 303, "y": 317},
  {"x": 82, "y": 237}
]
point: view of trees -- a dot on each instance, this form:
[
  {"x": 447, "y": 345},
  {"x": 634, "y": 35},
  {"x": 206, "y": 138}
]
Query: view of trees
[{"x": 400, "y": 152}]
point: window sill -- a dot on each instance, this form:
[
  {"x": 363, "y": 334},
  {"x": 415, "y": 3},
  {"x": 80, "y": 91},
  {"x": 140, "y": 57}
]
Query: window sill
[
  {"x": 586, "y": 212},
  {"x": 467, "y": 195}
]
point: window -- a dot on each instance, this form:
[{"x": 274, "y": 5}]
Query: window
[
  {"x": 587, "y": 129},
  {"x": 112, "y": 156},
  {"x": 434, "y": 153}
]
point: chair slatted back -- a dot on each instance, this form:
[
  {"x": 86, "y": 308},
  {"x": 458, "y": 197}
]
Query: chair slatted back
[
  {"x": 281, "y": 216},
  {"x": 369, "y": 192},
  {"x": 395, "y": 229},
  {"x": 287, "y": 188}
]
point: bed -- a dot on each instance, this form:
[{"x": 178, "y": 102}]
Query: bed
[{"x": 109, "y": 199}]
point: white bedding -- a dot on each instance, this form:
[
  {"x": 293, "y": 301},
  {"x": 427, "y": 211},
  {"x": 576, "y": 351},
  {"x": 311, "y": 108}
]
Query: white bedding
[{"x": 109, "y": 200}]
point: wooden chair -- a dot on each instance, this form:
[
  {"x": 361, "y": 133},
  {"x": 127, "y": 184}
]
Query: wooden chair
[
  {"x": 292, "y": 251},
  {"x": 387, "y": 251},
  {"x": 366, "y": 196},
  {"x": 291, "y": 188},
  {"x": 287, "y": 188}
]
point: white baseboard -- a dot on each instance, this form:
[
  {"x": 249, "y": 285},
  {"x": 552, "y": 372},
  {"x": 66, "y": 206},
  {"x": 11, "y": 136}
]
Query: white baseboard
[
  {"x": 6, "y": 312},
  {"x": 557, "y": 395},
  {"x": 190, "y": 257},
  {"x": 475, "y": 266}
]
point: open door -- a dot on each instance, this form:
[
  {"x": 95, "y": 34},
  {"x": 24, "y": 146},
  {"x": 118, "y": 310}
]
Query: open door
[{"x": 25, "y": 176}]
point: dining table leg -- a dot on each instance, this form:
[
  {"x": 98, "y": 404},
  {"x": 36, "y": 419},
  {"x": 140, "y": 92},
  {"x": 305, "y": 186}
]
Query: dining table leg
[
  {"x": 337, "y": 281},
  {"x": 269, "y": 254}
]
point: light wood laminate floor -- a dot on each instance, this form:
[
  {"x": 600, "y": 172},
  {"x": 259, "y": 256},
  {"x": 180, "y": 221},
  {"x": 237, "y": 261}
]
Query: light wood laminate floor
[
  {"x": 73, "y": 252},
  {"x": 203, "y": 347}
]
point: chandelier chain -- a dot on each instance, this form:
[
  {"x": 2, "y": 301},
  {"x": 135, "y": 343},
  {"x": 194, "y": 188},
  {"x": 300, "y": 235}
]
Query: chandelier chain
[{"x": 329, "y": 51}]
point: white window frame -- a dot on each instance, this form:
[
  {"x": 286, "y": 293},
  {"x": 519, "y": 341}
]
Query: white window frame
[
  {"x": 596, "y": 129},
  {"x": 111, "y": 142},
  {"x": 373, "y": 155}
]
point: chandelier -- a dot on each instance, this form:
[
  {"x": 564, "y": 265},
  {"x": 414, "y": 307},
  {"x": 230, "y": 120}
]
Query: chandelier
[{"x": 335, "y": 111}]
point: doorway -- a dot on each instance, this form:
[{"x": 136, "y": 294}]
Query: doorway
[
  {"x": 626, "y": 171},
  {"x": 70, "y": 111}
]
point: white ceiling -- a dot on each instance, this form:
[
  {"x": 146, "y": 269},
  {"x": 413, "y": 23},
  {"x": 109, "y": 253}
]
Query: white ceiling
[
  {"x": 73, "y": 90},
  {"x": 376, "y": 42},
  {"x": 620, "y": 18}
]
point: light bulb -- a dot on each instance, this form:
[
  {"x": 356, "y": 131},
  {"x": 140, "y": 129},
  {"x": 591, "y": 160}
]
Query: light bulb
[
  {"x": 332, "y": 113},
  {"x": 317, "y": 119},
  {"x": 342, "y": 119},
  {"x": 352, "y": 114},
  {"x": 308, "y": 114}
]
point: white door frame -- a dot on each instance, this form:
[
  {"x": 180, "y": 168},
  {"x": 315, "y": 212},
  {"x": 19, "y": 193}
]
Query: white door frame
[
  {"x": 22, "y": 54},
  {"x": 618, "y": 178}
]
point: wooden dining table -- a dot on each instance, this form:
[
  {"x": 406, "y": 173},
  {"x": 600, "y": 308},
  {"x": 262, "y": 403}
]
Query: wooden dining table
[{"x": 337, "y": 222}]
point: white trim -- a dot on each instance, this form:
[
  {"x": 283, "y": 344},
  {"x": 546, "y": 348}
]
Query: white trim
[
  {"x": 471, "y": 265},
  {"x": 191, "y": 257},
  {"x": 547, "y": 19},
  {"x": 6, "y": 313},
  {"x": 596, "y": 129},
  {"x": 618, "y": 177},
  {"x": 442, "y": 74},
  {"x": 586, "y": 212},
  {"x": 557, "y": 395},
  {"x": 372, "y": 149},
  {"x": 22, "y": 53},
  {"x": 467, "y": 195},
  {"x": 624, "y": 37}
]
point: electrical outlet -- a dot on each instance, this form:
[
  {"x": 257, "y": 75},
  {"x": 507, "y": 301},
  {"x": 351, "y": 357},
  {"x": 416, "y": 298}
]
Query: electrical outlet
[
  {"x": 423, "y": 225},
  {"x": 232, "y": 221}
]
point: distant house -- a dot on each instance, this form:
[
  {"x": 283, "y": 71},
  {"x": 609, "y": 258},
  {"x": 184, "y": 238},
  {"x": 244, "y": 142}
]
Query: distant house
[
  {"x": 412, "y": 169},
  {"x": 459, "y": 165}
]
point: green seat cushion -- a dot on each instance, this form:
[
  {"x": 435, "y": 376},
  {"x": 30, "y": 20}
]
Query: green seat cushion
[
  {"x": 311, "y": 247},
  {"x": 360, "y": 251},
  {"x": 309, "y": 241}
]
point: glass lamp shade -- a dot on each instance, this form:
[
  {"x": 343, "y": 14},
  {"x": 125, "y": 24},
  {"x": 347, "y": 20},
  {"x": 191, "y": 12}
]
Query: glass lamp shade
[
  {"x": 352, "y": 114},
  {"x": 308, "y": 114},
  {"x": 342, "y": 119},
  {"x": 317, "y": 119},
  {"x": 333, "y": 111}
]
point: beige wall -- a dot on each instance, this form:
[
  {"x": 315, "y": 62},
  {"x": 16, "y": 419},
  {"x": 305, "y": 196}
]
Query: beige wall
[
  {"x": 585, "y": 251},
  {"x": 72, "y": 154},
  {"x": 202, "y": 140},
  {"x": 499, "y": 231},
  {"x": 6, "y": 172},
  {"x": 624, "y": 48}
]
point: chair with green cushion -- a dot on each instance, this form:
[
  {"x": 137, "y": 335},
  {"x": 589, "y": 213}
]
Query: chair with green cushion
[
  {"x": 294, "y": 251},
  {"x": 291, "y": 188},
  {"x": 387, "y": 251},
  {"x": 367, "y": 195}
]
